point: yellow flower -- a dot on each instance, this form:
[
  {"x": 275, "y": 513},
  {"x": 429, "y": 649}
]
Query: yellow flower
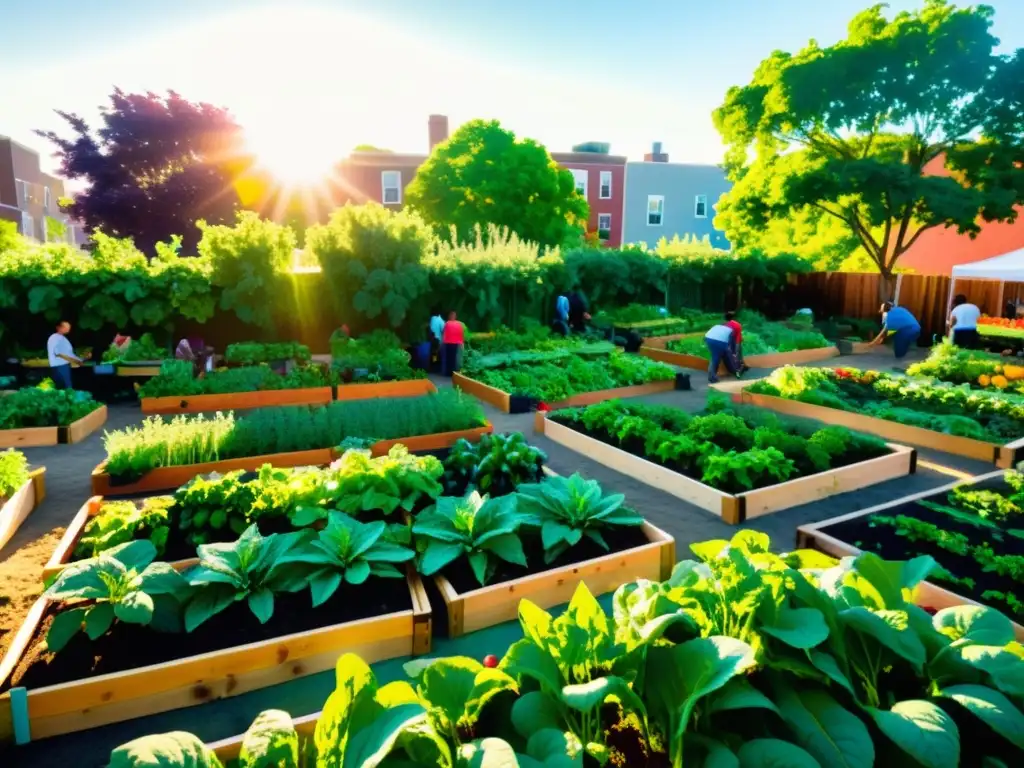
[
  {"x": 999, "y": 381},
  {"x": 984, "y": 380}
]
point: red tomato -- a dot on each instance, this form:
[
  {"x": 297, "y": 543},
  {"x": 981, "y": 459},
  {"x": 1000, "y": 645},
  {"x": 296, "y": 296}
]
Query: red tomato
[{"x": 490, "y": 660}]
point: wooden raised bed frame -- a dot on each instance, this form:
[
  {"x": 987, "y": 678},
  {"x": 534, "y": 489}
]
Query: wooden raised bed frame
[
  {"x": 408, "y": 388},
  {"x": 21, "y": 503},
  {"x": 501, "y": 399},
  {"x": 112, "y": 698},
  {"x": 1005, "y": 456},
  {"x": 735, "y": 509},
  {"x": 75, "y": 432},
  {"x": 812, "y": 536},
  {"x": 487, "y": 606},
  {"x": 165, "y": 478},
  {"x": 657, "y": 349}
]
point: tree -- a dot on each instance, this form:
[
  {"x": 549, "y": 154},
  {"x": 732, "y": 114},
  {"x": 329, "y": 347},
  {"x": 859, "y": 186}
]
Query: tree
[
  {"x": 154, "y": 167},
  {"x": 484, "y": 175},
  {"x": 847, "y": 131}
]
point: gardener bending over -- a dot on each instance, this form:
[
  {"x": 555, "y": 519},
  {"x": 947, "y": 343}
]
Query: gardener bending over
[
  {"x": 901, "y": 325},
  {"x": 719, "y": 343}
]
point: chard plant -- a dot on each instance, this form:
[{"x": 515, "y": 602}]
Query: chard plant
[
  {"x": 122, "y": 584},
  {"x": 254, "y": 568},
  {"x": 346, "y": 550},
  {"x": 478, "y": 527},
  {"x": 566, "y": 509}
]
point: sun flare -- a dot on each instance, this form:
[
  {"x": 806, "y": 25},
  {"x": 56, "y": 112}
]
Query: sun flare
[{"x": 292, "y": 159}]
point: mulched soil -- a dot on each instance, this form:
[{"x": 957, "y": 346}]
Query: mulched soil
[{"x": 20, "y": 583}]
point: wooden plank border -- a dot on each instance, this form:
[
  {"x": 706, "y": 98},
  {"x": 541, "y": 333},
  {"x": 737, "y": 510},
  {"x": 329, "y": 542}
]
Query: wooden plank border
[
  {"x": 237, "y": 401},
  {"x": 497, "y": 603},
  {"x": 891, "y": 430},
  {"x": 656, "y": 349},
  {"x": 502, "y": 400},
  {"x": 432, "y": 442},
  {"x": 736, "y": 508},
  {"x": 490, "y": 395},
  {"x": 75, "y": 432},
  {"x": 137, "y": 370},
  {"x": 814, "y": 536},
  {"x": 118, "y": 696},
  {"x": 407, "y": 388},
  {"x": 21, "y": 504}
]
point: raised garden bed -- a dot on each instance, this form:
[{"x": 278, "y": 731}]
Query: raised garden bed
[
  {"x": 503, "y": 401},
  {"x": 656, "y": 349},
  {"x": 891, "y": 531},
  {"x": 21, "y": 503},
  {"x": 732, "y": 507},
  {"x": 75, "y": 432},
  {"x": 1006, "y": 455},
  {"x": 86, "y": 701},
  {"x": 141, "y": 370},
  {"x": 233, "y": 401},
  {"x": 405, "y": 388},
  {"x": 486, "y": 606}
]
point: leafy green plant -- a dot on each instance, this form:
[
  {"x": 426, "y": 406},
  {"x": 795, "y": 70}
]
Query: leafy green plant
[
  {"x": 496, "y": 465},
  {"x": 256, "y": 353},
  {"x": 566, "y": 509},
  {"x": 118, "y": 522},
  {"x": 477, "y": 527},
  {"x": 736, "y": 472},
  {"x": 176, "y": 379},
  {"x": 122, "y": 584},
  {"x": 142, "y": 348},
  {"x": 13, "y": 472},
  {"x": 253, "y": 569},
  {"x": 44, "y": 406},
  {"x": 347, "y": 550}
]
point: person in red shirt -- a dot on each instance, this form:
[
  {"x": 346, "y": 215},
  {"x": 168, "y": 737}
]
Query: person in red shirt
[
  {"x": 452, "y": 339},
  {"x": 736, "y": 343}
]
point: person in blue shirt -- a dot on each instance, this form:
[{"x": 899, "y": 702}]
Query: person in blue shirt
[
  {"x": 560, "y": 324},
  {"x": 901, "y": 325},
  {"x": 61, "y": 355}
]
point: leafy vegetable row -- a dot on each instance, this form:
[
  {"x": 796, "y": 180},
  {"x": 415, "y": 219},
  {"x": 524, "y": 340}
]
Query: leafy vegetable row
[
  {"x": 730, "y": 449},
  {"x": 743, "y": 658},
  {"x": 142, "y": 348},
  {"x": 184, "y": 440},
  {"x": 177, "y": 378},
  {"x": 257, "y": 353},
  {"x": 45, "y": 406},
  {"x": 947, "y": 362}
]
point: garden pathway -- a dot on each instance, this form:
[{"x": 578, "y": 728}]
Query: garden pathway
[{"x": 68, "y": 469}]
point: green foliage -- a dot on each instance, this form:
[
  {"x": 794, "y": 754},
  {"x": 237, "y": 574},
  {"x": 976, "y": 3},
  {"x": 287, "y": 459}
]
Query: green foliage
[
  {"x": 176, "y": 379},
  {"x": 118, "y": 522},
  {"x": 249, "y": 263},
  {"x": 378, "y": 354},
  {"x": 478, "y": 527},
  {"x": 496, "y": 465},
  {"x": 13, "y": 472},
  {"x": 371, "y": 258},
  {"x": 483, "y": 174},
  {"x": 968, "y": 366},
  {"x": 44, "y": 406},
  {"x": 122, "y": 584},
  {"x": 760, "y": 337},
  {"x": 347, "y": 550},
  {"x": 133, "y": 451},
  {"x": 142, "y": 348},
  {"x": 804, "y": 141},
  {"x": 176, "y": 749},
  {"x": 567, "y": 509},
  {"x": 257, "y": 353}
]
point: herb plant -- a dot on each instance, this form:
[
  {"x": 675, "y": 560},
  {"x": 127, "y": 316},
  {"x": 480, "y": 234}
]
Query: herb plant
[
  {"x": 118, "y": 522},
  {"x": 256, "y": 353},
  {"x": 13, "y": 472}
]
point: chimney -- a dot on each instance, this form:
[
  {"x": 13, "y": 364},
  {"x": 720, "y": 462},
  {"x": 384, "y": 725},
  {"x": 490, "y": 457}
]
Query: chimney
[
  {"x": 437, "y": 130},
  {"x": 656, "y": 155}
]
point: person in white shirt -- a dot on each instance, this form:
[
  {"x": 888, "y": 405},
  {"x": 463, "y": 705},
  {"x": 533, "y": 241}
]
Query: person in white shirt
[
  {"x": 963, "y": 323},
  {"x": 718, "y": 341},
  {"x": 62, "y": 355}
]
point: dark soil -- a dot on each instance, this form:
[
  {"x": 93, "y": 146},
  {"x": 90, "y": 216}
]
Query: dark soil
[
  {"x": 635, "y": 446},
  {"x": 129, "y": 646},
  {"x": 884, "y": 541},
  {"x": 620, "y": 539}
]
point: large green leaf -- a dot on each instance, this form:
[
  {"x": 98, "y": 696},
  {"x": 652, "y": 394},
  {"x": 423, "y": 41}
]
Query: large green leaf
[
  {"x": 370, "y": 745},
  {"x": 798, "y": 627},
  {"x": 992, "y": 708},
  {"x": 270, "y": 741},
  {"x": 827, "y": 663},
  {"x": 261, "y": 603},
  {"x": 890, "y": 577},
  {"x": 176, "y": 749},
  {"x": 923, "y": 731},
  {"x": 773, "y": 753},
  {"x": 350, "y": 707},
  {"x": 508, "y": 547},
  {"x": 524, "y": 659},
  {"x": 448, "y": 683},
  {"x": 890, "y": 629},
  {"x": 437, "y": 555},
  {"x": 586, "y": 697},
  {"x": 487, "y": 753},
  {"x": 738, "y": 693},
  {"x": 536, "y": 711},
  {"x": 206, "y": 603},
  {"x": 64, "y": 626},
  {"x": 1005, "y": 669},
  {"x": 98, "y": 620},
  {"x": 135, "y": 608},
  {"x": 828, "y": 731},
  {"x": 974, "y": 624},
  {"x": 552, "y": 748}
]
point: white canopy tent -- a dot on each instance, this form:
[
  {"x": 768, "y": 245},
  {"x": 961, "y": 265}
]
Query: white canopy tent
[{"x": 1008, "y": 268}]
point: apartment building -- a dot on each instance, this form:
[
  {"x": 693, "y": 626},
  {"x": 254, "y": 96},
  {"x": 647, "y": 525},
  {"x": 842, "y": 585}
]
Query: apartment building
[
  {"x": 29, "y": 197},
  {"x": 664, "y": 199},
  {"x": 600, "y": 178}
]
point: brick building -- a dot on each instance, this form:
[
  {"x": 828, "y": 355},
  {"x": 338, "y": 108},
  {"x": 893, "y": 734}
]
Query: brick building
[{"x": 29, "y": 197}]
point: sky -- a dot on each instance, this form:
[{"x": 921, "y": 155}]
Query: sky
[{"x": 310, "y": 79}]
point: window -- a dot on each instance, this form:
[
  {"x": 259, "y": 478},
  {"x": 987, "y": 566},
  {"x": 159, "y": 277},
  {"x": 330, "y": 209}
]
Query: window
[
  {"x": 700, "y": 207},
  {"x": 46, "y": 199},
  {"x": 606, "y": 185},
  {"x": 655, "y": 210},
  {"x": 604, "y": 226},
  {"x": 391, "y": 187},
  {"x": 28, "y": 228},
  {"x": 22, "y": 187},
  {"x": 581, "y": 180}
]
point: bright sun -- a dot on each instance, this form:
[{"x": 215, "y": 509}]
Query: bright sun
[{"x": 294, "y": 160}]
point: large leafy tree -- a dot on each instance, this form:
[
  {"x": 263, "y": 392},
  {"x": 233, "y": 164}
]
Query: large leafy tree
[
  {"x": 154, "y": 167},
  {"x": 846, "y": 131},
  {"x": 484, "y": 175}
]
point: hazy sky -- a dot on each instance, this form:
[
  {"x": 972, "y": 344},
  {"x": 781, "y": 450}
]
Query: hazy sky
[{"x": 309, "y": 79}]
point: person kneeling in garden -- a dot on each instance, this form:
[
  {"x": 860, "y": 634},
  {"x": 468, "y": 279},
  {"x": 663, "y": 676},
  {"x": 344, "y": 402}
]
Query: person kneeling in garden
[
  {"x": 719, "y": 343},
  {"x": 901, "y": 325}
]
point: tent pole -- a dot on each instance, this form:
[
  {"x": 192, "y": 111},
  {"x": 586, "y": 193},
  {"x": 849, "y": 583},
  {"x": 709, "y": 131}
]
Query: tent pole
[
  {"x": 896, "y": 296},
  {"x": 949, "y": 302},
  {"x": 999, "y": 301}
]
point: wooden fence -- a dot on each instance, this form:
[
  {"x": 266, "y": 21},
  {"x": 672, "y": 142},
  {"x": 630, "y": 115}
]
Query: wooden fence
[{"x": 849, "y": 294}]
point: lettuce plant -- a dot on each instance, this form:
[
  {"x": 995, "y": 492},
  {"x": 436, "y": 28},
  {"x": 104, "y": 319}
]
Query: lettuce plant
[
  {"x": 346, "y": 550},
  {"x": 121, "y": 521},
  {"x": 496, "y": 465},
  {"x": 253, "y": 569},
  {"x": 13, "y": 472},
  {"x": 566, "y": 509},
  {"x": 481, "y": 528},
  {"x": 122, "y": 583}
]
